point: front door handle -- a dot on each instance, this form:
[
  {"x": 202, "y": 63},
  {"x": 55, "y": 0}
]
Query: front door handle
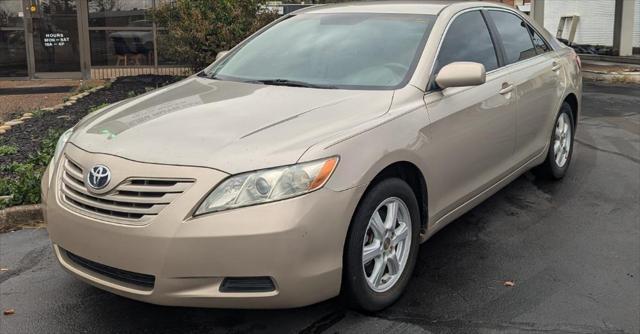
[
  {"x": 555, "y": 66},
  {"x": 506, "y": 88}
]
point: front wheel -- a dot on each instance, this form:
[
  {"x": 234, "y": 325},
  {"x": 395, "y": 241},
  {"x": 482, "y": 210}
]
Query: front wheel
[
  {"x": 561, "y": 145},
  {"x": 382, "y": 245}
]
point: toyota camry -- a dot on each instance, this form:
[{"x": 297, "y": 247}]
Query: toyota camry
[{"x": 313, "y": 158}]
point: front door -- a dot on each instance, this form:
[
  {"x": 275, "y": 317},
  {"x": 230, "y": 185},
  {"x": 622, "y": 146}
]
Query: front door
[
  {"x": 55, "y": 38},
  {"x": 473, "y": 128}
]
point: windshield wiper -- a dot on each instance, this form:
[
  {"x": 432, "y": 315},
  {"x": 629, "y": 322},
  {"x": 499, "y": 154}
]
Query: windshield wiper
[
  {"x": 204, "y": 74},
  {"x": 291, "y": 83},
  {"x": 273, "y": 82}
]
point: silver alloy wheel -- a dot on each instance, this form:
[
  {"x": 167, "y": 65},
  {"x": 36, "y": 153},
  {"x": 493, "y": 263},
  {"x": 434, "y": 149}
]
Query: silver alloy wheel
[
  {"x": 562, "y": 140},
  {"x": 386, "y": 245}
]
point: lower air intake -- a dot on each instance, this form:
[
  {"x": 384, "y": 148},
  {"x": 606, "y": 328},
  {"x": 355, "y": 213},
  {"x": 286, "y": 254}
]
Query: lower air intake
[{"x": 142, "y": 280}]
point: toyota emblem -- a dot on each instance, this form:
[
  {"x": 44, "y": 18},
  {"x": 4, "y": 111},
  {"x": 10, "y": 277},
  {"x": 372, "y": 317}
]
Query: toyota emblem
[{"x": 98, "y": 177}]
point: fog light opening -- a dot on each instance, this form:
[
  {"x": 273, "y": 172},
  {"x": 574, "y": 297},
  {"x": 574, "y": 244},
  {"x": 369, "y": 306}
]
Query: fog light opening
[{"x": 247, "y": 284}]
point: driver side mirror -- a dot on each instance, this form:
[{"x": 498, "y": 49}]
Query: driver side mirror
[
  {"x": 221, "y": 54},
  {"x": 460, "y": 74}
]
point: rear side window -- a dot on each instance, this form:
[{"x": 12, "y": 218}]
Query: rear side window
[
  {"x": 539, "y": 43},
  {"x": 515, "y": 36},
  {"x": 468, "y": 39}
]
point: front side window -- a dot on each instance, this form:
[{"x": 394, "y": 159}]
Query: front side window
[
  {"x": 515, "y": 36},
  {"x": 467, "y": 39},
  {"x": 349, "y": 51}
]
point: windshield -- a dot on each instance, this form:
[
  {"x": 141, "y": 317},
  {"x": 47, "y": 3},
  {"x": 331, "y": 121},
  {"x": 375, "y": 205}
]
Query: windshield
[{"x": 348, "y": 51}]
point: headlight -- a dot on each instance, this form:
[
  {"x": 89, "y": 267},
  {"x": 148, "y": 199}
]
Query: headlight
[
  {"x": 64, "y": 138},
  {"x": 268, "y": 185},
  {"x": 59, "y": 146}
]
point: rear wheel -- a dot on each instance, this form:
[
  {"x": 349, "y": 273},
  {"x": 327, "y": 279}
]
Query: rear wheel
[
  {"x": 381, "y": 247},
  {"x": 561, "y": 145}
]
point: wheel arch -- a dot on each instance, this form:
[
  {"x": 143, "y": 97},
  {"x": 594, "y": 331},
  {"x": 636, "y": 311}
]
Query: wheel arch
[
  {"x": 413, "y": 176},
  {"x": 572, "y": 100}
]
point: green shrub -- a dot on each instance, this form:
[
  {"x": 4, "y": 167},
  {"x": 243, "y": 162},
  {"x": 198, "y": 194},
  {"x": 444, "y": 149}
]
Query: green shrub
[
  {"x": 198, "y": 29},
  {"x": 24, "y": 183},
  {"x": 24, "y": 186},
  {"x": 8, "y": 150},
  {"x": 98, "y": 107}
]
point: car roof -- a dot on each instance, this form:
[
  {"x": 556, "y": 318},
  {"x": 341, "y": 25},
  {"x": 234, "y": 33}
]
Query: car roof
[{"x": 393, "y": 7}]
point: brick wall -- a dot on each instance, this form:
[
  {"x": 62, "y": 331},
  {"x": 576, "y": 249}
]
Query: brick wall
[{"x": 114, "y": 72}]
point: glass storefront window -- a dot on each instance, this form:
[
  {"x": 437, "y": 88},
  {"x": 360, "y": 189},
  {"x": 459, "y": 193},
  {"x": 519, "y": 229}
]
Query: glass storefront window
[
  {"x": 13, "y": 50},
  {"x": 121, "y": 34},
  {"x": 13, "y": 59},
  {"x": 121, "y": 48},
  {"x": 111, "y": 45},
  {"x": 118, "y": 13},
  {"x": 11, "y": 13}
]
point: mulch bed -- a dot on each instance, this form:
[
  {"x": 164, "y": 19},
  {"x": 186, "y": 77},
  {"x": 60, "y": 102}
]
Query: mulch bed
[{"x": 28, "y": 136}]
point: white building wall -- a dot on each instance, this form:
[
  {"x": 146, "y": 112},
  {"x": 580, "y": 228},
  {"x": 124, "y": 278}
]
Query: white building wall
[
  {"x": 596, "y": 19},
  {"x": 636, "y": 25}
]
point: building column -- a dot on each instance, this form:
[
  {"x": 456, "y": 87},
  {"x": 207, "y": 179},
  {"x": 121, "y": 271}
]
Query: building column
[
  {"x": 623, "y": 28},
  {"x": 537, "y": 11}
]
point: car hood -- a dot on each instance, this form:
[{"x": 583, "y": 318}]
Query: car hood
[{"x": 229, "y": 126}]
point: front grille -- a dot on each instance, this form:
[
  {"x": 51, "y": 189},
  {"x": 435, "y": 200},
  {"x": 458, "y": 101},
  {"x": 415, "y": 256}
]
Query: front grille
[
  {"x": 141, "y": 280},
  {"x": 131, "y": 202}
]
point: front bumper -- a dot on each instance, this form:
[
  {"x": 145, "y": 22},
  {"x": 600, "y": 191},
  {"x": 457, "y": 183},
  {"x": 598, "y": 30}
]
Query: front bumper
[{"x": 298, "y": 243}]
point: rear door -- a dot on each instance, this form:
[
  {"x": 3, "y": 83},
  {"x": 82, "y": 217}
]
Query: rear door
[
  {"x": 472, "y": 133},
  {"x": 536, "y": 74}
]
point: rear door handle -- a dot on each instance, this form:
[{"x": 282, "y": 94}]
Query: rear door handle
[
  {"x": 506, "y": 88},
  {"x": 555, "y": 66}
]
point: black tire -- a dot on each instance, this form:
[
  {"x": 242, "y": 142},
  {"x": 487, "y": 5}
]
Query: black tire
[
  {"x": 550, "y": 168},
  {"x": 356, "y": 289}
]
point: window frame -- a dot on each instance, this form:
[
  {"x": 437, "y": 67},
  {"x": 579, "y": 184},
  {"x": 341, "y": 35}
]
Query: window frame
[
  {"x": 497, "y": 47},
  {"x": 495, "y": 38},
  {"x": 529, "y": 26},
  {"x": 532, "y": 31}
]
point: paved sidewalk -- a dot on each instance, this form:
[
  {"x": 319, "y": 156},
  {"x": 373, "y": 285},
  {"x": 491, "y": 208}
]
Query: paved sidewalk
[{"x": 17, "y": 97}]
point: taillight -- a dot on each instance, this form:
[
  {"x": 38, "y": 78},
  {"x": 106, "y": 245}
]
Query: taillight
[{"x": 577, "y": 59}]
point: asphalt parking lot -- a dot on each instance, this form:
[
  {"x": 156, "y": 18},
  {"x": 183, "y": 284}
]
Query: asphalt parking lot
[{"x": 572, "y": 250}]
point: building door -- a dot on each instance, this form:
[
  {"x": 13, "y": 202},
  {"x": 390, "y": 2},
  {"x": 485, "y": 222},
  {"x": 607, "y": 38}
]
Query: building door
[
  {"x": 53, "y": 29},
  {"x": 13, "y": 46}
]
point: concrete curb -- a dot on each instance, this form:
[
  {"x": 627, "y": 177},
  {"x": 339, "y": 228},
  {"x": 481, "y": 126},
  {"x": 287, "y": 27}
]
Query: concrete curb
[
  {"x": 18, "y": 217},
  {"x": 613, "y": 59},
  {"x": 6, "y": 126},
  {"x": 613, "y": 77}
]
